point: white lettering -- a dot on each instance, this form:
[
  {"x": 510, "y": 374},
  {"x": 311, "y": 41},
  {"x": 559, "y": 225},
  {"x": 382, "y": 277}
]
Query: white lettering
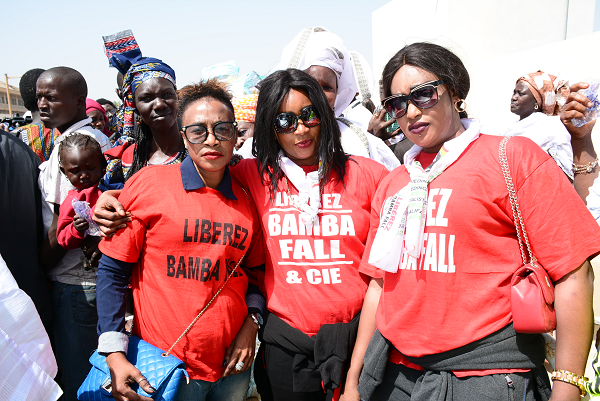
[
  {"x": 274, "y": 227},
  {"x": 442, "y": 267},
  {"x": 431, "y": 205},
  {"x": 336, "y": 201},
  {"x": 451, "y": 267},
  {"x": 440, "y": 220},
  {"x": 326, "y": 276},
  {"x": 330, "y": 226},
  {"x": 313, "y": 276},
  {"x": 320, "y": 250},
  {"x": 302, "y": 249},
  {"x": 334, "y": 249},
  {"x": 335, "y": 275},
  {"x": 346, "y": 225},
  {"x": 430, "y": 254},
  {"x": 289, "y": 226},
  {"x": 285, "y": 245},
  {"x": 326, "y": 198}
]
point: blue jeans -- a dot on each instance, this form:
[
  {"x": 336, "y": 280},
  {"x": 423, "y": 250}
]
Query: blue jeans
[
  {"x": 75, "y": 336},
  {"x": 230, "y": 388}
]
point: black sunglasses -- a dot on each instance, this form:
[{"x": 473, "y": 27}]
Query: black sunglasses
[
  {"x": 423, "y": 96},
  {"x": 197, "y": 133},
  {"x": 286, "y": 123}
]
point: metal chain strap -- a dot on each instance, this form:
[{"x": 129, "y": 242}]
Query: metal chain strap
[
  {"x": 165, "y": 354},
  {"x": 512, "y": 195},
  {"x": 358, "y": 131}
]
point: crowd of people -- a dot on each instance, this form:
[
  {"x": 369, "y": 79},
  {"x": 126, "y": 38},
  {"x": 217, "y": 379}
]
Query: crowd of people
[{"x": 370, "y": 249}]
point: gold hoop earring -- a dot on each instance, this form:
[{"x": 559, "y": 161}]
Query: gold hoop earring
[
  {"x": 462, "y": 107},
  {"x": 536, "y": 107}
]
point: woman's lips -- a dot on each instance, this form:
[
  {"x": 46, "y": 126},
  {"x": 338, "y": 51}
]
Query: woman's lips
[
  {"x": 212, "y": 155},
  {"x": 304, "y": 144},
  {"x": 417, "y": 128}
]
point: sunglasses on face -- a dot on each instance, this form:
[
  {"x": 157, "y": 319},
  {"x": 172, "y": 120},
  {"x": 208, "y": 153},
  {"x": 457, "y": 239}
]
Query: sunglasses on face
[
  {"x": 197, "y": 133},
  {"x": 286, "y": 123},
  {"x": 423, "y": 96}
]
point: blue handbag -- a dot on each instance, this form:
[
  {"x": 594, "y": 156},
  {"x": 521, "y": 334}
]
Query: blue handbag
[
  {"x": 165, "y": 374},
  {"x": 163, "y": 371}
]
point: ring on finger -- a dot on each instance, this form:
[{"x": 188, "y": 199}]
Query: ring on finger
[
  {"x": 141, "y": 380},
  {"x": 239, "y": 365},
  {"x": 84, "y": 249}
]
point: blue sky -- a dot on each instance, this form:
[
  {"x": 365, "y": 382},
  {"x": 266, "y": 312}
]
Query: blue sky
[{"x": 188, "y": 35}]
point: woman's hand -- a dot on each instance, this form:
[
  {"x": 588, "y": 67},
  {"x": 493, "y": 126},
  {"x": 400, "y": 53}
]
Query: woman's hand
[
  {"x": 235, "y": 159},
  {"x": 575, "y": 107},
  {"x": 122, "y": 374},
  {"x": 350, "y": 394},
  {"x": 378, "y": 125},
  {"x": 109, "y": 214},
  {"x": 241, "y": 349}
]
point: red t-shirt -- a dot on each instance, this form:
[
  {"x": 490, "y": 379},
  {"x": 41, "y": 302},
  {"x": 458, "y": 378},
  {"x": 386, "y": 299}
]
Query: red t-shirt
[
  {"x": 66, "y": 234},
  {"x": 458, "y": 291},
  {"x": 312, "y": 279},
  {"x": 185, "y": 243}
]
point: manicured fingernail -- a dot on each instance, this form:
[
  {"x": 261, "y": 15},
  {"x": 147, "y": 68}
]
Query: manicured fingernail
[
  {"x": 153, "y": 389},
  {"x": 224, "y": 363}
]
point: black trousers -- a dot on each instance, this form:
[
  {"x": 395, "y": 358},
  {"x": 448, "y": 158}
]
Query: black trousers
[
  {"x": 399, "y": 385},
  {"x": 273, "y": 376}
]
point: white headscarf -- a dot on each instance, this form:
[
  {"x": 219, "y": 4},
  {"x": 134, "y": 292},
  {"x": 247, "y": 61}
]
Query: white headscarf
[{"x": 325, "y": 49}]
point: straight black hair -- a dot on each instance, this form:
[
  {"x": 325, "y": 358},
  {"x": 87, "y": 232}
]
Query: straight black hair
[
  {"x": 434, "y": 59},
  {"x": 265, "y": 146}
]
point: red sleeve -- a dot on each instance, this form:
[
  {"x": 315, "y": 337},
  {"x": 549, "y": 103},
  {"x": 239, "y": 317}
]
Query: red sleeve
[
  {"x": 562, "y": 232},
  {"x": 66, "y": 234},
  {"x": 126, "y": 245}
]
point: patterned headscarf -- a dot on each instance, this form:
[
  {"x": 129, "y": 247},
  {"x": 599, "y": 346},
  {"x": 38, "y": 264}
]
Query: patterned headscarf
[
  {"x": 145, "y": 69},
  {"x": 549, "y": 91},
  {"x": 122, "y": 50},
  {"x": 245, "y": 107}
]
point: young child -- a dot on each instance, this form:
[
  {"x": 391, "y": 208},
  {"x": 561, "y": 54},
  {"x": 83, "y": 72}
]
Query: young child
[{"x": 82, "y": 162}]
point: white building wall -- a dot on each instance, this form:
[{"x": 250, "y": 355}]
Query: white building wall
[{"x": 498, "y": 40}]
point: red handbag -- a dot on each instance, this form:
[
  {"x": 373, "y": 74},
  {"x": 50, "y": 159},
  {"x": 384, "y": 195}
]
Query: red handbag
[{"x": 532, "y": 291}]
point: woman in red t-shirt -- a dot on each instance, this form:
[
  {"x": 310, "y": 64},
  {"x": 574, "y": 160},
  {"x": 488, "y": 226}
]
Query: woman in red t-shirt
[
  {"x": 442, "y": 234},
  {"x": 191, "y": 224}
]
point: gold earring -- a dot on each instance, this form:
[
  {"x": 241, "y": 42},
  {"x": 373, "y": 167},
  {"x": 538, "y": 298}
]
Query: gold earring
[
  {"x": 462, "y": 107},
  {"x": 536, "y": 107}
]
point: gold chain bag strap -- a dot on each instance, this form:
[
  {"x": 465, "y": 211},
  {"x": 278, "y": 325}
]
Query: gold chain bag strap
[
  {"x": 165, "y": 354},
  {"x": 532, "y": 291}
]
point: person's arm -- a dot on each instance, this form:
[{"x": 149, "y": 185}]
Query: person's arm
[
  {"x": 574, "y": 327},
  {"x": 378, "y": 126},
  {"x": 51, "y": 252},
  {"x": 243, "y": 347},
  {"x": 111, "y": 284},
  {"x": 366, "y": 328},
  {"x": 581, "y": 139},
  {"x": 109, "y": 213}
]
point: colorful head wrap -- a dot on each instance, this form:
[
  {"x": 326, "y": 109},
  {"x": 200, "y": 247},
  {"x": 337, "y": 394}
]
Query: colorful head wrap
[
  {"x": 91, "y": 104},
  {"x": 146, "y": 69},
  {"x": 549, "y": 91},
  {"x": 245, "y": 107}
]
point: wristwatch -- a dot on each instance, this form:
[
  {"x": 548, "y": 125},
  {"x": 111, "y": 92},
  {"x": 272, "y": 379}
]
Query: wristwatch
[{"x": 256, "y": 318}]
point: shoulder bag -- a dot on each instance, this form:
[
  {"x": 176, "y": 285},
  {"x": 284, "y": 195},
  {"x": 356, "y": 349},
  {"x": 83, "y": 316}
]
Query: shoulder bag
[
  {"x": 532, "y": 291},
  {"x": 163, "y": 371}
]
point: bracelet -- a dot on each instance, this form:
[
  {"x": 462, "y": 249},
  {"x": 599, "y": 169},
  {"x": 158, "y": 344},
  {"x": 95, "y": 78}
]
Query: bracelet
[
  {"x": 256, "y": 318},
  {"x": 571, "y": 378},
  {"x": 585, "y": 168}
]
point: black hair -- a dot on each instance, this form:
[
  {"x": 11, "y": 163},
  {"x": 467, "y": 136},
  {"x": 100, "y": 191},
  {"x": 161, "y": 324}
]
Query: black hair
[
  {"x": 81, "y": 141},
  {"x": 210, "y": 88},
  {"x": 434, "y": 59},
  {"x": 71, "y": 80},
  {"x": 27, "y": 88},
  {"x": 265, "y": 146},
  {"x": 102, "y": 101}
]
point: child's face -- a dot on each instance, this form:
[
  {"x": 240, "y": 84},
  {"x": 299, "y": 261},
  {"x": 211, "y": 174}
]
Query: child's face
[{"x": 82, "y": 166}]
